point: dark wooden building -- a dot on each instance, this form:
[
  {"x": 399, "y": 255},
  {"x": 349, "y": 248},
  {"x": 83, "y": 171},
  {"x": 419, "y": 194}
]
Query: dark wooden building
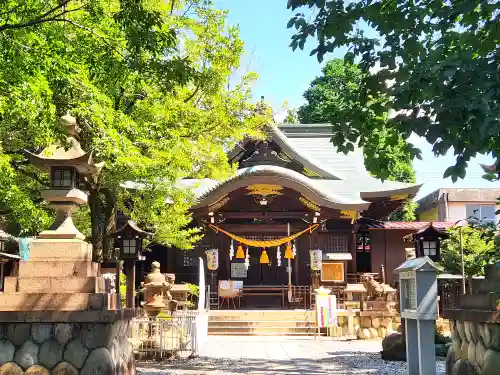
[{"x": 293, "y": 180}]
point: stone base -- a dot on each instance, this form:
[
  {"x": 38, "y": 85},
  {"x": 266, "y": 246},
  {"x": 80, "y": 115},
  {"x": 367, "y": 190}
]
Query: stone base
[
  {"x": 475, "y": 349},
  {"x": 76, "y": 343},
  {"x": 58, "y": 275},
  {"x": 57, "y": 301}
]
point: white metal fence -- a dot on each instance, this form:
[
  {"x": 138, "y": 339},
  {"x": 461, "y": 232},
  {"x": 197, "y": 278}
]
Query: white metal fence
[{"x": 163, "y": 338}]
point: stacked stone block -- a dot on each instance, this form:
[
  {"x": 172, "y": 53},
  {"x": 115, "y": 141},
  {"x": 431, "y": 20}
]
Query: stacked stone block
[
  {"x": 475, "y": 329},
  {"x": 475, "y": 349},
  {"x": 66, "y": 349}
]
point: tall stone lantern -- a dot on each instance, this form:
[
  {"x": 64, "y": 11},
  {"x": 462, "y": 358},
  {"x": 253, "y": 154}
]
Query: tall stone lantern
[
  {"x": 68, "y": 168},
  {"x": 59, "y": 297}
]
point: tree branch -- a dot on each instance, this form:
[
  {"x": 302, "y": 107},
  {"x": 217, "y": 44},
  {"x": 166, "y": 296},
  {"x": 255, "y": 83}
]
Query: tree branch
[
  {"x": 8, "y": 212},
  {"x": 90, "y": 31},
  {"x": 13, "y": 9},
  {"x": 41, "y": 19},
  {"x": 192, "y": 94}
]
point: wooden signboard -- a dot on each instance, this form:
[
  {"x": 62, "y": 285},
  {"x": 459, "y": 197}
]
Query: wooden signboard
[
  {"x": 332, "y": 271},
  {"x": 229, "y": 288},
  {"x": 238, "y": 270}
]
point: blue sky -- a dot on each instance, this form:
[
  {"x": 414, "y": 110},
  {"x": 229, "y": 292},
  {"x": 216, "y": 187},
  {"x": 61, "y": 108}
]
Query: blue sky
[{"x": 285, "y": 75}]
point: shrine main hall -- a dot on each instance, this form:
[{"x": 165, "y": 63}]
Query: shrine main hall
[{"x": 292, "y": 193}]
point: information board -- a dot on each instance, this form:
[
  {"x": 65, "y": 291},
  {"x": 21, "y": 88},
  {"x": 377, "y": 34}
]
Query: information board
[
  {"x": 326, "y": 311},
  {"x": 238, "y": 270},
  {"x": 230, "y": 288}
]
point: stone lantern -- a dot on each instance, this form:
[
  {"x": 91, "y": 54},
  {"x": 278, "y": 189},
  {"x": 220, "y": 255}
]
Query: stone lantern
[
  {"x": 156, "y": 289},
  {"x": 68, "y": 168},
  {"x": 130, "y": 238}
]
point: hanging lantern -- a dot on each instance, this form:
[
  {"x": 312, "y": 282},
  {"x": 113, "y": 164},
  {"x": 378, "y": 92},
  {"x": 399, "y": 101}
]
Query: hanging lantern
[
  {"x": 278, "y": 256},
  {"x": 239, "y": 253},
  {"x": 264, "y": 258},
  {"x": 316, "y": 259},
  {"x": 289, "y": 252},
  {"x": 212, "y": 259},
  {"x": 231, "y": 251}
]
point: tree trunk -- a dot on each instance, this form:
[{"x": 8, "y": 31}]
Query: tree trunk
[
  {"x": 96, "y": 215},
  {"x": 469, "y": 284},
  {"x": 110, "y": 212}
]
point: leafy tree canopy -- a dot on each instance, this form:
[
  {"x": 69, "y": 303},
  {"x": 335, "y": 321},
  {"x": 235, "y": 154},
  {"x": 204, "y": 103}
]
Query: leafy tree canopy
[
  {"x": 336, "y": 97},
  {"x": 148, "y": 83},
  {"x": 478, "y": 244},
  {"x": 436, "y": 63}
]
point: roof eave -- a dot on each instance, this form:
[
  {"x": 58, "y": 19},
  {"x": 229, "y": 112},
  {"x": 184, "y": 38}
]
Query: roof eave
[{"x": 412, "y": 191}]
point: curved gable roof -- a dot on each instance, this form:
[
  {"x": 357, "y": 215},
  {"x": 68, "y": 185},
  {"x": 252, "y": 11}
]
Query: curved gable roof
[{"x": 270, "y": 174}]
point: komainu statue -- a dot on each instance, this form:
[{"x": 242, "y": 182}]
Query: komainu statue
[{"x": 374, "y": 290}]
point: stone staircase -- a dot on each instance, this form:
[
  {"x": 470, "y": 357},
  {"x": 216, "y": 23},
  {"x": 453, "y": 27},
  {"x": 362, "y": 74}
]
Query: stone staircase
[{"x": 261, "y": 323}]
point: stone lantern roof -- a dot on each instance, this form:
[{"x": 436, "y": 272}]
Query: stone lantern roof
[
  {"x": 130, "y": 227},
  {"x": 74, "y": 156}
]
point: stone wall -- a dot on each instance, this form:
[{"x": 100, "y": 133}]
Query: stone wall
[
  {"x": 67, "y": 348},
  {"x": 475, "y": 349},
  {"x": 370, "y": 326}
]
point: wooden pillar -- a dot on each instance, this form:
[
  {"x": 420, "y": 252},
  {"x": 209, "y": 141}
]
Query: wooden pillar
[
  {"x": 118, "y": 270},
  {"x": 213, "y": 274},
  {"x": 296, "y": 261},
  {"x": 1, "y": 275},
  {"x": 354, "y": 267},
  {"x": 130, "y": 284}
]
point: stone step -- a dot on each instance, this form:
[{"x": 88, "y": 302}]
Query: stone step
[
  {"x": 261, "y": 315},
  {"x": 63, "y": 250},
  {"x": 57, "y": 268},
  {"x": 261, "y": 323},
  {"x": 259, "y": 329},
  {"x": 56, "y": 301},
  {"x": 54, "y": 284},
  {"x": 232, "y": 333}
]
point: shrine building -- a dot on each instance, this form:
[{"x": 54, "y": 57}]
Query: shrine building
[{"x": 292, "y": 192}]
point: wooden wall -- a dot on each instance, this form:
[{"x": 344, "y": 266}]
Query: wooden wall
[{"x": 388, "y": 248}]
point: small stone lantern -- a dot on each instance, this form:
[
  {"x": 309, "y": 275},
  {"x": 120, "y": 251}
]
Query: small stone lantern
[
  {"x": 68, "y": 167},
  {"x": 156, "y": 289},
  {"x": 130, "y": 238}
]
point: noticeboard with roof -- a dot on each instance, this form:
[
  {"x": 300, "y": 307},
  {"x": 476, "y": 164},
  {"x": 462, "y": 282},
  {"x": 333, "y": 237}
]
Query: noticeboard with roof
[{"x": 418, "y": 288}]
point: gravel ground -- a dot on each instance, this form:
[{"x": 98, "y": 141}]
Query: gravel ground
[{"x": 283, "y": 355}]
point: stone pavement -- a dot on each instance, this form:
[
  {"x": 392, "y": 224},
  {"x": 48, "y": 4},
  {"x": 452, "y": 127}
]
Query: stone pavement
[{"x": 223, "y": 355}]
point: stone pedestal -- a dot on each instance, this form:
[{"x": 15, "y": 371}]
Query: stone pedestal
[
  {"x": 56, "y": 317},
  {"x": 475, "y": 329},
  {"x": 59, "y": 275},
  {"x": 66, "y": 343}
]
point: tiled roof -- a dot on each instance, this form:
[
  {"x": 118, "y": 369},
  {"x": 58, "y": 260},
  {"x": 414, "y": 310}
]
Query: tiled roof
[{"x": 440, "y": 226}]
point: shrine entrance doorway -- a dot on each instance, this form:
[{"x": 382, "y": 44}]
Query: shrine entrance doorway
[{"x": 272, "y": 274}]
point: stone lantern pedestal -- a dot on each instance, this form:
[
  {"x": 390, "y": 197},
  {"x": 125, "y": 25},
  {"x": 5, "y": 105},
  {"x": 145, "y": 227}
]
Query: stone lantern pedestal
[
  {"x": 475, "y": 328},
  {"x": 55, "y": 316}
]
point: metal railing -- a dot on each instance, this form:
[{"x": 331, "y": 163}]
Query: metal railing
[{"x": 162, "y": 338}]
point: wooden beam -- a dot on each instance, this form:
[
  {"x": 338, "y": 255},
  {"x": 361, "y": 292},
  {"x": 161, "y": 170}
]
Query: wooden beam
[
  {"x": 262, "y": 215},
  {"x": 256, "y": 228}
]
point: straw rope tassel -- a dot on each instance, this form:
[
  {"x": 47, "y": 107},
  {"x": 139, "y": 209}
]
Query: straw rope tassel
[
  {"x": 239, "y": 253},
  {"x": 247, "y": 259},
  {"x": 264, "y": 258}
]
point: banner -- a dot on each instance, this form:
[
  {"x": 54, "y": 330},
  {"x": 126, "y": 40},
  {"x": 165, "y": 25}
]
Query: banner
[
  {"x": 326, "y": 310},
  {"x": 212, "y": 259},
  {"x": 316, "y": 259},
  {"x": 201, "y": 287}
]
